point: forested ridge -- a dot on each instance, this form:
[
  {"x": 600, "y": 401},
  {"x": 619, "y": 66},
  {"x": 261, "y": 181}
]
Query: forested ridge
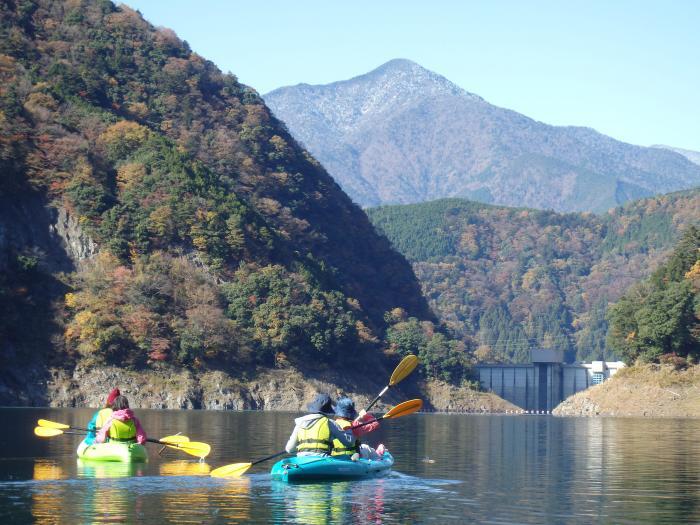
[
  {"x": 220, "y": 242},
  {"x": 658, "y": 319},
  {"x": 509, "y": 279}
]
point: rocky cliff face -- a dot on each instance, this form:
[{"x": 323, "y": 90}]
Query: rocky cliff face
[
  {"x": 77, "y": 245},
  {"x": 28, "y": 224},
  {"x": 288, "y": 390},
  {"x": 402, "y": 134}
]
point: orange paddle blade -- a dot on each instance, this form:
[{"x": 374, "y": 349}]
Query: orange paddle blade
[{"x": 404, "y": 409}]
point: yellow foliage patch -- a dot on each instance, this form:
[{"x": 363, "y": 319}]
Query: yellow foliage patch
[
  {"x": 694, "y": 271},
  {"x": 124, "y": 132},
  {"x": 200, "y": 242},
  {"x": 71, "y": 300},
  {"x": 138, "y": 109},
  {"x": 85, "y": 324},
  {"x": 129, "y": 174},
  {"x": 161, "y": 221},
  {"x": 530, "y": 278}
]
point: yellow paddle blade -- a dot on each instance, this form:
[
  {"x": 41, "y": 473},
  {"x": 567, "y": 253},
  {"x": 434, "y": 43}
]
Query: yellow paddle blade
[
  {"x": 230, "y": 471},
  {"x": 175, "y": 439},
  {"x": 51, "y": 424},
  {"x": 404, "y": 368},
  {"x": 404, "y": 409},
  {"x": 193, "y": 448},
  {"x": 47, "y": 432}
]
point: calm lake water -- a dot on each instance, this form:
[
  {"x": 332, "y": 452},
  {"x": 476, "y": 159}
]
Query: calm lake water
[{"x": 449, "y": 469}]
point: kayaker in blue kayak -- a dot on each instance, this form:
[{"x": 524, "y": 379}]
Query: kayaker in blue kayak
[
  {"x": 122, "y": 424},
  {"x": 100, "y": 417},
  {"x": 347, "y": 418},
  {"x": 314, "y": 433}
]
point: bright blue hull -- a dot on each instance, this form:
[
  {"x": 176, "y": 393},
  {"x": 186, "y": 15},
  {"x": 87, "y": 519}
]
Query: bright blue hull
[{"x": 315, "y": 468}]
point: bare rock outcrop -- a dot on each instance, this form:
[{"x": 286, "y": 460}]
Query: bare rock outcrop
[
  {"x": 640, "y": 391},
  {"x": 29, "y": 224},
  {"x": 78, "y": 245},
  {"x": 445, "y": 397},
  {"x": 287, "y": 389}
]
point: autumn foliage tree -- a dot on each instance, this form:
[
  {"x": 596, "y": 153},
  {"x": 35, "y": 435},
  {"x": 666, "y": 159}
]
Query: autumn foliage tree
[{"x": 662, "y": 315}]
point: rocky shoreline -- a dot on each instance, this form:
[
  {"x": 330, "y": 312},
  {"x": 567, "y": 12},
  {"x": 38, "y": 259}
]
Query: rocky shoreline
[
  {"x": 640, "y": 391},
  {"x": 284, "y": 390}
]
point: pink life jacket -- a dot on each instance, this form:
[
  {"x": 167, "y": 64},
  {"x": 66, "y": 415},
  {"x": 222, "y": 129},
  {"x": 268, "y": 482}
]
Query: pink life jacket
[{"x": 121, "y": 415}]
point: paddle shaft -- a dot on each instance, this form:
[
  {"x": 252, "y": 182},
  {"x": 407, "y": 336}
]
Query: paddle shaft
[
  {"x": 374, "y": 401},
  {"x": 403, "y": 369},
  {"x": 150, "y": 440},
  {"x": 368, "y": 422},
  {"x": 74, "y": 433},
  {"x": 268, "y": 458},
  {"x": 161, "y": 449}
]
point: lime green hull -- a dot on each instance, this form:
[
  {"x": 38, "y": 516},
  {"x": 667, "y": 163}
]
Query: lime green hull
[{"x": 112, "y": 451}]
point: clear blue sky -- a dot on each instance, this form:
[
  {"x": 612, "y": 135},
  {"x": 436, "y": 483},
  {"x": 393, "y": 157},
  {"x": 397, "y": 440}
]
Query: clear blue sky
[{"x": 630, "y": 69}]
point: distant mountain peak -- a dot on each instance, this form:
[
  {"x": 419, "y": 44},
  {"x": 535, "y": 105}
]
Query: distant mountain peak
[
  {"x": 401, "y": 134},
  {"x": 405, "y": 76},
  {"x": 400, "y": 63},
  {"x": 398, "y": 82}
]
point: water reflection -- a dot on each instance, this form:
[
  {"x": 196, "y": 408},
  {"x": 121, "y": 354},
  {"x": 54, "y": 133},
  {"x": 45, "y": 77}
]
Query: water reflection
[
  {"x": 184, "y": 468},
  {"x": 45, "y": 469},
  {"x": 45, "y": 507},
  {"x": 108, "y": 469},
  {"x": 109, "y": 502},
  {"x": 497, "y": 469},
  {"x": 225, "y": 501},
  {"x": 324, "y": 503}
]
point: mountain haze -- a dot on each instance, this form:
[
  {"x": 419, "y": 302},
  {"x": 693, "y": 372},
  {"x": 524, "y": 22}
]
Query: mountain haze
[
  {"x": 692, "y": 156},
  {"x": 403, "y": 134}
]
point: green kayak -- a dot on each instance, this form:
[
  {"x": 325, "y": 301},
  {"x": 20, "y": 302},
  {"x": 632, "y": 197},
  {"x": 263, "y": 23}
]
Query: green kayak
[
  {"x": 113, "y": 451},
  {"x": 314, "y": 468}
]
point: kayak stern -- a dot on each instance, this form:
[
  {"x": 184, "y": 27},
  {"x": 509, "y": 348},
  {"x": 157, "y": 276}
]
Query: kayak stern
[
  {"x": 314, "y": 468},
  {"x": 113, "y": 451}
]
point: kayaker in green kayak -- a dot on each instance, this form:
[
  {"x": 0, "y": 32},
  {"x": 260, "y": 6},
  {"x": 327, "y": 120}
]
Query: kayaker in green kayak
[
  {"x": 100, "y": 417},
  {"x": 348, "y": 419},
  {"x": 315, "y": 432},
  {"x": 122, "y": 424}
]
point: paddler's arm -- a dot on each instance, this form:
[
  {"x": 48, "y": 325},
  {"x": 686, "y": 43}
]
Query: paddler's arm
[
  {"x": 291, "y": 447},
  {"x": 364, "y": 424},
  {"x": 92, "y": 425},
  {"x": 92, "y": 429},
  {"x": 344, "y": 436}
]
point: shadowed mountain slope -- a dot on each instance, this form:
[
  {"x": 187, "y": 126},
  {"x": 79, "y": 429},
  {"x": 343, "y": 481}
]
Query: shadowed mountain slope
[{"x": 190, "y": 227}]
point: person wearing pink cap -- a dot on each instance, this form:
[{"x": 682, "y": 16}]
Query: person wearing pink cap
[{"x": 100, "y": 417}]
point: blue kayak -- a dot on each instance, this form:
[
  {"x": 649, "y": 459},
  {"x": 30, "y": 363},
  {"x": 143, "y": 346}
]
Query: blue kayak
[{"x": 315, "y": 468}]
